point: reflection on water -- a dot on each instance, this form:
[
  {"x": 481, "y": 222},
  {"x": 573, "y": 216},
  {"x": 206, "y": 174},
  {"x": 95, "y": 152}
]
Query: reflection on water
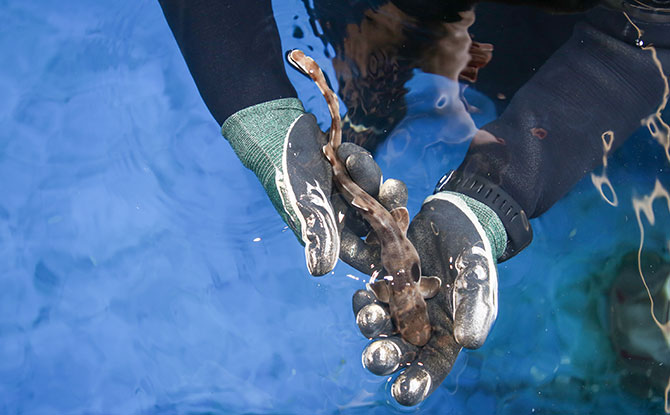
[
  {"x": 657, "y": 126},
  {"x": 600, "y": 180},
  {"x": 643, "y": 205},
  {"x": 376, "y": 51},
  {"x": 143, "y": 270}
]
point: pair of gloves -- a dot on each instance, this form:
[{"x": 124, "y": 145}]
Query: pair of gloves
[
  {"x": 545, "y": 141},
  {"x": 458, "y": 240}
]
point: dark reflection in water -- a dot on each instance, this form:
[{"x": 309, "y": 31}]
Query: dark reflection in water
[
  {"x": 377, "y": 46},
  {"x": 640, "y": 346}
]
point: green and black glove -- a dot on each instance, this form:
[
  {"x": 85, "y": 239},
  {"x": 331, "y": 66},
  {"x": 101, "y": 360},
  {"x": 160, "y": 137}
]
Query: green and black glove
[
  {"x": 460, "y": 234},
  {"x": 282, "y": 145},
  {"x": 460, "y": 247}
]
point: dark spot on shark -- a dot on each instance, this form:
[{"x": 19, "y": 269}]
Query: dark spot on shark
[{"x": 406, "y": 304}]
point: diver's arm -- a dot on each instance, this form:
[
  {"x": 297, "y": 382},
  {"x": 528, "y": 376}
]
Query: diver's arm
[
  {"x": 233, "y": 51},
  {"x": 449, "y": 10},
  {"x": 550, "y": 135}
]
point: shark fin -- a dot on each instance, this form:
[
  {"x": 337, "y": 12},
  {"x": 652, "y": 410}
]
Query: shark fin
[
  {"x": 401, "y": 216},
  {"x": 381, "y": 290},
  {"x": 429, "y": 286}
]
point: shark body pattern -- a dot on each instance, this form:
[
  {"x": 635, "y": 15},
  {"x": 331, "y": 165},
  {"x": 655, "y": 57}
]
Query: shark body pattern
[{"x": 402, "y": 286}]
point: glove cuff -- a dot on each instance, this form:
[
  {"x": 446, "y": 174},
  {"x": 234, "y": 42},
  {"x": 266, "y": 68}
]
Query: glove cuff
[
  {"x": 258, "y": 135},
  {"x": 491, "y": 223},
  {"x": 492, "y": 203}
]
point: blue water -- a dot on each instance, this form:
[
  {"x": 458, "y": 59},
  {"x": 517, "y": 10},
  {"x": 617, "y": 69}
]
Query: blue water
[{"x": 142, "y": 269}]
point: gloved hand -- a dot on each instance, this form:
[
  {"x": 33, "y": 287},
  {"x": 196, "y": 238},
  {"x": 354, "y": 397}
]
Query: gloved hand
[
  {"x": 455, "y": 246},
  {"x": 282, "y": 145}
]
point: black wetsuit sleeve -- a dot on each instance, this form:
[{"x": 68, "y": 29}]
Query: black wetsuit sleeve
[
  {"x": 232, "y": 50},
  {"x": 550, "y": 135}
]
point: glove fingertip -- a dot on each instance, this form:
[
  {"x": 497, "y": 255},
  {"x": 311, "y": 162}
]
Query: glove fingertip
[
  {"x": 393, "y": 194},
  {"x": 365, "y": 172},
  {"x": 472, "y": 323},
  {"x": 382, "y": 357},
  {"x": 360, "y": 299},
  {"x": 468, "y": 338},
  {"x": 412, "y": 386},
  {"x": 322, "y": 250}
]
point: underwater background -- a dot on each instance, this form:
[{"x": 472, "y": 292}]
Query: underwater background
[{"x": 144, "y": 270}]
